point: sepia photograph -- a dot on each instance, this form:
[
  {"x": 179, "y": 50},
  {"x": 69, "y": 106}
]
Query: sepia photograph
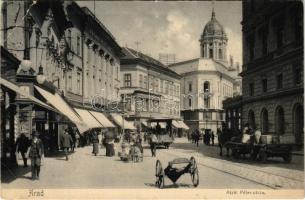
[{"x": 152, "y": 99}]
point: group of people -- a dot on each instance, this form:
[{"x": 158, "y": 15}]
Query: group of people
[
  {"x": 32, "y": 149},
  {"x": 208, "y": 137}
]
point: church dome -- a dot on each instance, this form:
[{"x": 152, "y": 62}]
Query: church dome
[{"x": 213, "y": 28}]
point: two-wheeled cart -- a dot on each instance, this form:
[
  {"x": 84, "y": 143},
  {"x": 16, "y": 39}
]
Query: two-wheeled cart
[
  {"x": 174, "y": 173},
  {"x": 261, "y": 151}
]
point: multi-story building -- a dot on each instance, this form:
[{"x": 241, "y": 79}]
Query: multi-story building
[
  {"x": 208, "y": 80},
  {"x": 71, "y": 60},
  {"x": 151, "y": 89},
  {"x": 272, "y": 74}
]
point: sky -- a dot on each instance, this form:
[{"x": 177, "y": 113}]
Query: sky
[{"x": 171, "y": 27}]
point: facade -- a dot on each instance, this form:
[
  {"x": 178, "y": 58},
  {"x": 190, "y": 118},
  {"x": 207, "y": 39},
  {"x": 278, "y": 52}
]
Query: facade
[
  {"x": 151, "y": 89},
  {"x": 69, "y": 54},
  {"x": 208, "y": 80},
  {"x": 273, "y": 68}
]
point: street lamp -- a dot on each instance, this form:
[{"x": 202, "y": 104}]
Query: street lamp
[{"x": 40, "y": 76}]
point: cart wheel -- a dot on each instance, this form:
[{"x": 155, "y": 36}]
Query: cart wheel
[
  {"x": 159, "y": 175},
  {"x": 158, "y": 168},
  {"x": 193, "y": 164},
  {"x": 160, "y": 183},
  {"x": 263, "y": 156},
  {"x": 195, "y": 177},
  {"x": 287, "y": 158}
]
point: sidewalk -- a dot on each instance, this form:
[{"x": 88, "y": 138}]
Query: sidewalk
[{"x": 275, "y": 173}]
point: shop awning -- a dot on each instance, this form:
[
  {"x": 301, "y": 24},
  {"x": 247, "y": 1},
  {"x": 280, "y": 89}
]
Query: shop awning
[
  {"x": 176, "y": 124},
  {"x": 122, "y": 122},
  {"x": 17, "y": 89},
  {"x": 183, "y": 125},
  {"x": 145, "y": 124},
  {"x": 61, "y": 105},
  {"x": 154, "y": 124},
  {"x": 89, "y": 120},
  {"x": 102, "y": 119}
]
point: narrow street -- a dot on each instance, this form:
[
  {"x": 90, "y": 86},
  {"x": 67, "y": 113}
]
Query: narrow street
[{"x": 83, "y": 170}]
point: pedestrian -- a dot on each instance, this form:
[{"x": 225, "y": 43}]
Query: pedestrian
[
  {"x": 153, "y": 143},
  {"x": 212, "y": 137},
  {"x": 138, "y": 142},
  {"x": 95, "y": 141},
  {"x": 109, "y": 143},
  {"x": 66, "y": 141},
  {"x": 36, "y": 154},
  {"x": 196, "y": 137},
  {"x": 72, "y": 134},
  {"x": 22, "y": 145},
  {"x": 208, "y": 137}
]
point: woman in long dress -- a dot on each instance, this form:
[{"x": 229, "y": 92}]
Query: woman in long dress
[{"x": 95, "y": 141}]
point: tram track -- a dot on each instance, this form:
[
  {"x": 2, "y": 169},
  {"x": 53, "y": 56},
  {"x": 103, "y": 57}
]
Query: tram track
[{"x": 243, "y": 177}]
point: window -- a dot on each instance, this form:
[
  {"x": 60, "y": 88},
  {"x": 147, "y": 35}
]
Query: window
[
  {"x": 151, "y": 82},
  {"x": 127, "y": 80},
  {"x": 251, "y": 89},
  {"x": 297, "y": 75},
  {"x": 264, "y": 85},
  {"x": 145, "y": 82},
  {"x": 279, "y": 30},
  {"x": 210, "y": 53},
  {"x": 78, "y": 45},
  {"x": 251, "y": 47},
  {"x": 161, "y": 86},
  {"x": 206, "y": 86},
  {"x": 190, "y": 87},
  {"x": 279, "y": 121},
  {"x": 264, "y": 39},
  {"x": 70, "y": 83},
  {"x": 220, "y": 53},
  {"x": 156, "y": 85},
  {"x": 190, "y": 102},
  {"x": 279, "y": 81},
  {"x": 141, "y": 80},
  {"x": 166, "y": 87},
  {"x": 78, "y": 84}
]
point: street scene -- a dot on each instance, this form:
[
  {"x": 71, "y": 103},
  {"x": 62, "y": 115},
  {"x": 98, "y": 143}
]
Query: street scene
[{"x": 152, "y": 95}]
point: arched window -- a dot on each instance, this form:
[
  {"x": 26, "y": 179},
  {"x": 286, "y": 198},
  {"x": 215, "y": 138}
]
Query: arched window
[
  {"x": 251, "y": 118},
  {"x": 298, "y": 123},
  {"x": 206, "y": 86},
  {"x": 211, "y": 53},
  {"x": 264, "y": 121},
  {"x": 279, "y": 121},
  {"x": 206, "y": 89},
  {"x": 220, "y": 54}
]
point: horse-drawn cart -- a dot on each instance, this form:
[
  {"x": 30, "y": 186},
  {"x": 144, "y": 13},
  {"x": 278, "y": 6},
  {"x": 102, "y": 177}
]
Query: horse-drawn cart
[
  {"x": 261, "y": 151},
  {"x": 174, "y": 173}
]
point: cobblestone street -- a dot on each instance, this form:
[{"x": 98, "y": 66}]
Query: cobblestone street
[{"x": 83, "y": 170}]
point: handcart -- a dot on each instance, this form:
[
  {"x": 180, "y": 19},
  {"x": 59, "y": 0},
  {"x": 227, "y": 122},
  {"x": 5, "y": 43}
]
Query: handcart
[{"x": 174, "y": 173}]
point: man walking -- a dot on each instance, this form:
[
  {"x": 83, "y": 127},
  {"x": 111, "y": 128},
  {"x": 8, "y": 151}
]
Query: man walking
[
  {"x": 66, "y": 141},
  {"x": 36, "y": 153},
  {"x": 22, "y": 145},
  {"x": 153, "y": 141}
]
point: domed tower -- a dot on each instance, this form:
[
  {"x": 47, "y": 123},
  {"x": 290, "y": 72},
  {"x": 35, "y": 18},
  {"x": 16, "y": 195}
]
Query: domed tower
[{"x": 213, "y": 42}]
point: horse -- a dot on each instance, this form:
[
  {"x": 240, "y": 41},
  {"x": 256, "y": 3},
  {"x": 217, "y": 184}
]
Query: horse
[{"x": 223, "y": 137}]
